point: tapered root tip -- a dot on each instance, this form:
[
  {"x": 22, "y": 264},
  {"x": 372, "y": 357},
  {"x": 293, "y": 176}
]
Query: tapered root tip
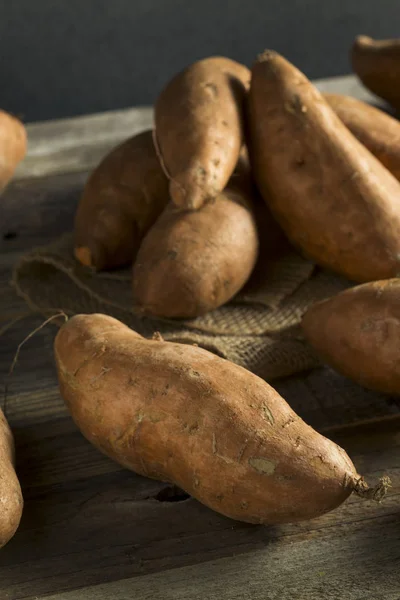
[
  {"x": 266, "y": 56},
  {"x": 377, "y": 493},
  {"x": 363, "y": 40},
  {"x": 84, "y": 256}
]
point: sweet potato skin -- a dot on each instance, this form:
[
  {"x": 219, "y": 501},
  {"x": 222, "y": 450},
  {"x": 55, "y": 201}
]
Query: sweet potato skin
[
  {"x": 199, "y": 128},
  {"x": 191, "y": 262},
  {"x": 334, "y": 200},
  {"x": 13, "y": 143},
  {"x": 377, "y": 64},
  {"x": 122, "y": 198},
  {"x": 357, "y": 332},
  {"x": 11, "y": 502},
  {"x": 375, "y": 129},
  {"x": 181, "y": 414}
]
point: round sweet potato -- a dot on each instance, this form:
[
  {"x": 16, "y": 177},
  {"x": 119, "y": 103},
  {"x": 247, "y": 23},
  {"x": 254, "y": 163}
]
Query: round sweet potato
[
  {"x": 357, "y": 332},
  {"x": 11, "y": 502},
  {"x": 13, "y": 143},
  {"x": 199, "y": 128},
  {"x": 377, "y": 130},
  {"x": 191, "y": 262},
  {"x": 377, "y": 64},
  {"x": 180, "y": 414},
  {"x": 334, "y": 200},
  {"x": 122, "y": 198}
]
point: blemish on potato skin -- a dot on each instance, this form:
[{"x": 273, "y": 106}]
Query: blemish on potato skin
[
  {"x": 267, "y": 414},
  {"x": 262, "y": 465}
]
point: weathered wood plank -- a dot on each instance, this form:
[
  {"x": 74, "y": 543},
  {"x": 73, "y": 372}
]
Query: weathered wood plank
[{"x": 112, "y": 527}]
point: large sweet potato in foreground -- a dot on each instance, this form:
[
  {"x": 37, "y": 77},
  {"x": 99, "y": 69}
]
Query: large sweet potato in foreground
[
  {"x": 11, "y": 502},
  {"x": 333, "y": 198},
  {"x": 181, "y": 414},
  {"x": 199, "y": 128},
  {"x": 378, "y": 131},
  {"x": 377, "y": 63},
  {"x": 357, "y": 332},
  {"x": 13, "y": 144},
  {"x": 191, "y": 262},
  {"x": 122, "y": 198}
]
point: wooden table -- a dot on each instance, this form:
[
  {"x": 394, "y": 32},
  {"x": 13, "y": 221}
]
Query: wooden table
[{"x": 93, "y": 531}]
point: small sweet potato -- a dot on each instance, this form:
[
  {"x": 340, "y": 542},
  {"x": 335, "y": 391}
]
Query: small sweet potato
[
  {"x": 191, "y": 262},
  {"x": 199, "y": 128},
  {"x": 13, "y": 144},
  {"x": 180, "y": 414},
  {"x": 122, "y": 198},
  {"x": 334, "y": 200},
  {"x": 377, "y": 130},
  {"x": 11, "y": 502},
  {"x": 377, "y": 64},
  {"x": 357, "y": 332}
]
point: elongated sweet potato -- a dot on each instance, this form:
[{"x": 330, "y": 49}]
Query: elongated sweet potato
[
  {"x": 377, "y": 64},
  {"x": 377, "y": 130},
  {"x": 191, "y": 262},
  {"x": 181, "y": 414},
  {"x": 11, "y": 502},
  {"x": 199, "y": 128},
  {"x": 333, "y": 198},
  {"x": 357, "y": 332},
  {"x": 13, "y": 144},
  {"x": 121, "y": 200}
]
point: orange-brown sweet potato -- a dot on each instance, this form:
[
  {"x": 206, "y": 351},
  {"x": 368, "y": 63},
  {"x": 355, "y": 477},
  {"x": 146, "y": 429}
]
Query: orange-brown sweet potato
[
  {"x": 357, "y": 332},
  {"x": 377, "y": 130},
  {"x": 11, "y": 502},
  {"x": 377, "y": 64},
  {"x": 13, "y": 144},
  {"x": 333, "y": 198},
  {"x": 181, "y": 414},
  {"x": 122, "y": 198},
  {"x": 199, "y": 128},
  {"x": 191, "y": 262}
]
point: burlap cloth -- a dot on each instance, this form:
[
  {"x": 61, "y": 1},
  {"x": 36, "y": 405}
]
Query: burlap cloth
[{"x": 259, "y": 329}]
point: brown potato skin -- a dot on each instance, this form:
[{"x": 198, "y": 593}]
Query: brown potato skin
[
  {"x": 180, "y": 414},
  {"x": 194, "y": 261},
  {"x": 13, "y": 144},
  {"x": 375, "y": 129},
  {"x": 11, "y": 501},
  {"x": 122, "y": 198},
  {"x": 199, "y": 128},
  {"x": 377, "y": 64},
  {"x": 357, "y": 332},
  {"x": 334, "y": 200}
]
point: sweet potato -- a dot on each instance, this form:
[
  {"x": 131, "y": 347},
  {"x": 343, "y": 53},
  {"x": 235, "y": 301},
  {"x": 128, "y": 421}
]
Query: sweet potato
[
  {"x": 377, "y": 130},
  {"x": 183, "y": 415},
  {"x": 11, "y": 502},
  {"x": 121, "y": 200},
  {"x": 334, "y": 200},
  {"x": 357, "y": 332},
  {"x": 377, "y": 64},
  {"x": 13, "y": 144},
  {"x": 199, "y": 128},
  {"x": 191, "y": 262}
]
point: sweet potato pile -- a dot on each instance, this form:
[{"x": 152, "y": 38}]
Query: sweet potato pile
[{"x": 239, "y": 159}]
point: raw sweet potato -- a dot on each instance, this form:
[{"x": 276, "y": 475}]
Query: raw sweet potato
[
  {"x": 11, "y": 502},
  {"x": 334, "y": 200},
  {"x": 191, "y": 262},
  {"x": 357, "y": 332},
  {"x": 199, "y": 128},
  {"x": 377, "y": 64},
  {"x": 121, "y": 200},
  {"x": 183, "y": 415},
  {"x": 377, "y": 130},
  {"x": 13, "y": 144}
]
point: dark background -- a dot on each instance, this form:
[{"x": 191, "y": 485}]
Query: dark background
[{"x": 67, "y": 57}]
